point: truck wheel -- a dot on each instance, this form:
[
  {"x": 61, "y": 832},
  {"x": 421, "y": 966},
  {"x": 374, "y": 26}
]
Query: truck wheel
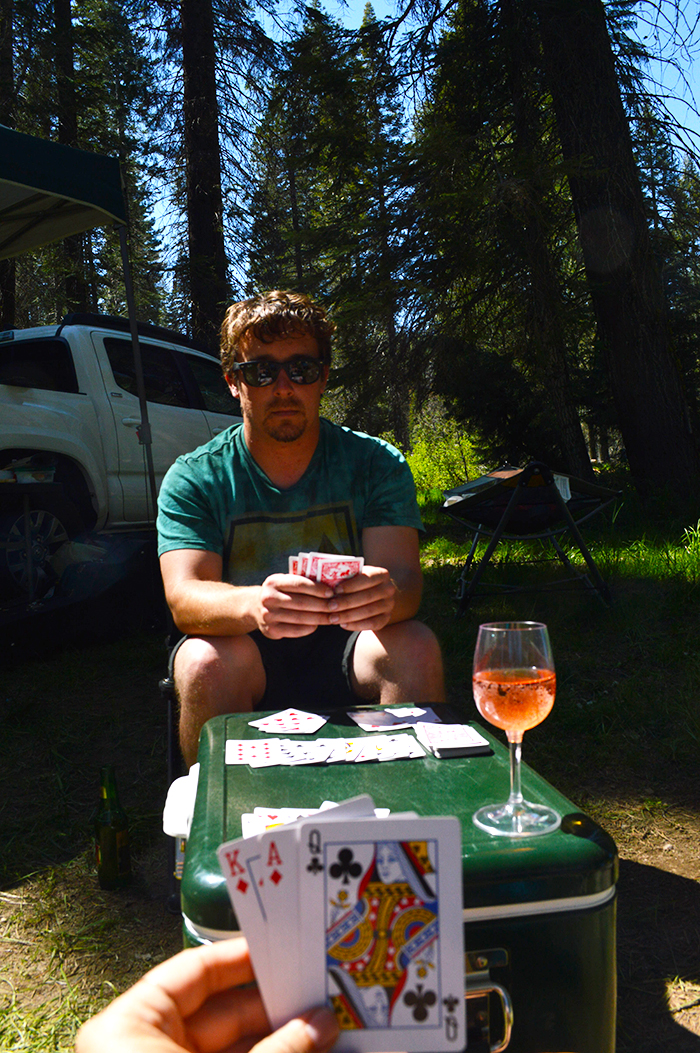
[{"x": 51, "y": 525}]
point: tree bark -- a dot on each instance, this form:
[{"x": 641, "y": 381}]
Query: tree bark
[
  {"x": 207, "y": 257},
  {"x": 624, "y": 277},
  {"x": 76, "y": 287},
  {"x": 548, "y": 330},
  {"x": 296, "y": 224},
  {"x": 8, "y": 300}
]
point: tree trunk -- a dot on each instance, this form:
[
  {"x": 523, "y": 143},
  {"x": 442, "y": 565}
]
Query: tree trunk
[
  {"x": 296, "y": 225},
  {"x": 76, "y": 287},
  {"x": 207, "y": 257},
  {"x": 624, "y": 277},
  {"x": 549, "y": 334},
  {"x": 7, "y": 117}
]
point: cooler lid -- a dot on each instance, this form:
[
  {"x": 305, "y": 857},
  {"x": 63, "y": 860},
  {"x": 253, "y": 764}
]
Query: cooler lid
[{"x": 578, "y": 860}]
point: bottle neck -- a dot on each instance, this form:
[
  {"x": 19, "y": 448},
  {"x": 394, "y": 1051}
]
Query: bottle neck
[{"x": 108, "y": 784}]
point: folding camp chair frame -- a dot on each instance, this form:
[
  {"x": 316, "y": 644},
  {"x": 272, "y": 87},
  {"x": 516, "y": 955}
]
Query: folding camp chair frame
[
  {"x": 175, "y": 767},
  {"x": 592, "y": 580}
]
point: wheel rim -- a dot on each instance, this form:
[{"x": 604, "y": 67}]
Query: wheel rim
[{"x": 47, "y": 534}]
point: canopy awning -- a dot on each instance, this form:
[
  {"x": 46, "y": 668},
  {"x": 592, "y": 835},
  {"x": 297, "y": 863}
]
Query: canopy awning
[{"x": 49, "y": 191}]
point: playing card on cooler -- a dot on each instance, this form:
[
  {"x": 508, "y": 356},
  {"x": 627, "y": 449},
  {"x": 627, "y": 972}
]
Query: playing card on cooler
[
  {"x": 370, "y": 748},
  {"x": 345, "y": 751},
  {"x": 400, "y": 747},
  {"x": 382, "y": 940},
  {"x": 294, "y": 751},
  {"x": 392, "y": 717},
  {"x": 261, "y": 819},
  {"x": 452, "y": 740},
  {"x": 290, "y": 722},
  {"x": 258, "y": 753}
]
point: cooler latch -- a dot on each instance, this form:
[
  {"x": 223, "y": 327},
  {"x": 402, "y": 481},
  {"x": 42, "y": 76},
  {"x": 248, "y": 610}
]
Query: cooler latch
[{"x": 479, "y": 987}]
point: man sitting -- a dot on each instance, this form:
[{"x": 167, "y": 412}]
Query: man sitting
[{"x": 286, "y": 480}]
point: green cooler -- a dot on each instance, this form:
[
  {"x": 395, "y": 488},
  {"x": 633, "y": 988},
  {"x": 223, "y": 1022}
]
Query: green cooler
[{"x": 539, "y": 912}]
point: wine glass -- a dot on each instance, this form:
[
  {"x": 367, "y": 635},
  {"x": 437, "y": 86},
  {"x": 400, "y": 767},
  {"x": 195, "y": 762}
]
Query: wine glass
[{"x": 514, "y": 685}]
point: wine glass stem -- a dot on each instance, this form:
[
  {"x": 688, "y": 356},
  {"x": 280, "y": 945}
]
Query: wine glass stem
[{"x": 516, "y": 751}]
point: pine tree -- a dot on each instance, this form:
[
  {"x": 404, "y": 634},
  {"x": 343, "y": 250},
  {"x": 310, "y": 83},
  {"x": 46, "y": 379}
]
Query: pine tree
[
  {"x": 502, "y": 288},
  {"x": 329, "y": 162},
  {"x": 623, "y": 273}
]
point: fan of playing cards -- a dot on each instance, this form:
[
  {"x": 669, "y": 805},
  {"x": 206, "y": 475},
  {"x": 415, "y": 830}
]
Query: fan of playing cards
[
  {"x": 361, "y": 913},
  {"x": 323, "y": 566}
]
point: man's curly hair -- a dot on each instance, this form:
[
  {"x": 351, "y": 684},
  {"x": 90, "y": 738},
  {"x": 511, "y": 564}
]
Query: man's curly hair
[{"x": 274, "y": 316}]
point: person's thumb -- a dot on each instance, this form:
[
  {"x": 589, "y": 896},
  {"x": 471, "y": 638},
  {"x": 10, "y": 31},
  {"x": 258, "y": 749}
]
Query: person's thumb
[{"x": 312, "y": 1032}]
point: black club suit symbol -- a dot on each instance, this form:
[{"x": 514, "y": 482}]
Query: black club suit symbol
[
  {"x": 420, "y": 1000},
  {"x": 314, "y": 866},
  {"x": 345, "y": 867}
]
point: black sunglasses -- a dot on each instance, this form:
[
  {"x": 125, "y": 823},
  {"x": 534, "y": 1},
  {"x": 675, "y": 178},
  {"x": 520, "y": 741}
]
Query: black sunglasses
[{"x": 261, "y": 371}]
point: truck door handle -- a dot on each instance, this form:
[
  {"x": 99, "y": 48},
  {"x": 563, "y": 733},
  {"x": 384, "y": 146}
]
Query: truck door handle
[{"x": 131, "y": 422}]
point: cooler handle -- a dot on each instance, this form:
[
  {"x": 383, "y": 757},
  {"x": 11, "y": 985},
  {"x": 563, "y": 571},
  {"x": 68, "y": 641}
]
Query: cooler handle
[{"x": 506, "y": 1005}]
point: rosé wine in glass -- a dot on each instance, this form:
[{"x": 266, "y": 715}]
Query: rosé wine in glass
[
  {"x": 514, "y": 699},
  {"x": 514, "y": 685}
]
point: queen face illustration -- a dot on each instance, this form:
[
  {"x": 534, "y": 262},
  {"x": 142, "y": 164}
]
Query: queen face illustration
[
  {"x": 389, "y": 863},
  {"x": 376, "y": 1005}
]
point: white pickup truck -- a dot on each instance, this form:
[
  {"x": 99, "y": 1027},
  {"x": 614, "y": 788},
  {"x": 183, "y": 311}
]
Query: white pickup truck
[{"x": 70, "y": 456}]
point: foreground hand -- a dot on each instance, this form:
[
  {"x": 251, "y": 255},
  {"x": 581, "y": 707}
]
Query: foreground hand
[
  {"x": 195, "y": 1002},
  {"x": 365, "y": 601},
  {"x": 292, "y": 605}
]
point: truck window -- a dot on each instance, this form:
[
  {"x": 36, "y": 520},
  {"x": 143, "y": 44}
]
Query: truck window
[
  {"x": 210, "y": 380},
  {"x": 160, "y": 373},
  {"x": 45, "y": 364}
]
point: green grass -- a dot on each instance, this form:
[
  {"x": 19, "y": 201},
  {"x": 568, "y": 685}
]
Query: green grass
[{"x": 627, "y": 675}]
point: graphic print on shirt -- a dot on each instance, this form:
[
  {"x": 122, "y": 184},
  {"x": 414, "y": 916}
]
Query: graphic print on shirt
[{"x": 260, "y": 543}]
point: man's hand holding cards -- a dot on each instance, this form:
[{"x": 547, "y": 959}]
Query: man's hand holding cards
[
  {"x": 363, "y": 597},
  {"x": 363, "y": 914}
]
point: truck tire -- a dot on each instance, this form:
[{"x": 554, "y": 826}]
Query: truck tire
[{"x": 55, "y": 521}]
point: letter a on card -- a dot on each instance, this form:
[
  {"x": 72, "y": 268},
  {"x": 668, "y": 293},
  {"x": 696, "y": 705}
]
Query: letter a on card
[{"x": 280, "y": 894}]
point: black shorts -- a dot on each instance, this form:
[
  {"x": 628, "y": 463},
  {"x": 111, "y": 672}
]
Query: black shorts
[{"x": 307, "y": 672}]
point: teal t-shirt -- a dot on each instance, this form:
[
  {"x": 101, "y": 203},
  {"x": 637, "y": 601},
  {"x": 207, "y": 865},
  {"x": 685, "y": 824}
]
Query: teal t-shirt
[{"x": 218, "y": 499}]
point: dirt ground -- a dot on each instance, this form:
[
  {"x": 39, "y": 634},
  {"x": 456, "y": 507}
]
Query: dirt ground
[
  {"x": 66, "y": 946},
  {"x": 658, "y": 929}
]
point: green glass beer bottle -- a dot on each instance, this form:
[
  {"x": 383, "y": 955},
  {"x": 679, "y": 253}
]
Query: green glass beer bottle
[{"x": 111, "y": 835}]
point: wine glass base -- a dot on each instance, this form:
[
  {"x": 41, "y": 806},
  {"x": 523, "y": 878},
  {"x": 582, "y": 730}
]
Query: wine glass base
[{"x": 521, "y": 819}]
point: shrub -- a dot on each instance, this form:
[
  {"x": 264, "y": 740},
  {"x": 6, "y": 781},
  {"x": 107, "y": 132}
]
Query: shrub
[{"x": 441, "y": 455}]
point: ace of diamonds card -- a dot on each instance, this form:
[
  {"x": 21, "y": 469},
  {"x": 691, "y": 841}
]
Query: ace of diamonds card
[{"x": 381, "y": 940}]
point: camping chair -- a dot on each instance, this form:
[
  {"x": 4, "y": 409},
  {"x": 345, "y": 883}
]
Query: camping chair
[
  {"x": 175, "y": 767},
  {"x": 526, "y": 504}
]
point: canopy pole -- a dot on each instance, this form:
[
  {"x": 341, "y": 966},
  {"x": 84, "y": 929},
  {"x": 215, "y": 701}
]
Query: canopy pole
[{"x": 144, "y": 431}]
